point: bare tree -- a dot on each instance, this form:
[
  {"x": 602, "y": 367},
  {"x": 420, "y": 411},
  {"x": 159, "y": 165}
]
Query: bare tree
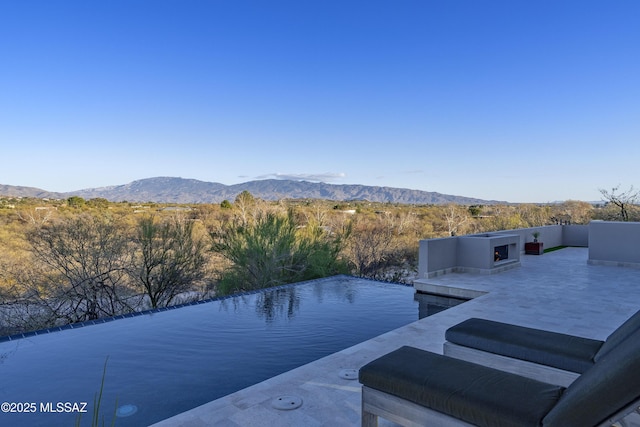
[
  {"x": 371, "y": 247},
  {"x": 244, "y": 203},
  {"x": 86, "y": 257},
  {"x": 623, "y": 200},
  {"x": 39, "y": 215},
  {"x": 316, "y": 214},
  {"x": 170, "y": 259},
  {"x": 455, "y": 217}
]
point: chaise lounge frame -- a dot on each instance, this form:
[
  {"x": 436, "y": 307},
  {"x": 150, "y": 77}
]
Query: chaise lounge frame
[{"x": 376, "y": 403}]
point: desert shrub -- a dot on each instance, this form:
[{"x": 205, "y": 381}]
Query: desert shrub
[{"x": 273, "y": 249}]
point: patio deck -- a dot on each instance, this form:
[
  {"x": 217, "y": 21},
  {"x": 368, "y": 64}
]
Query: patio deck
[{"x": 557, "y": 291}]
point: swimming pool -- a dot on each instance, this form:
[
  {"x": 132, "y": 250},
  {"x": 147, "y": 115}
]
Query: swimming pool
[{"x": 164, "y": 363}]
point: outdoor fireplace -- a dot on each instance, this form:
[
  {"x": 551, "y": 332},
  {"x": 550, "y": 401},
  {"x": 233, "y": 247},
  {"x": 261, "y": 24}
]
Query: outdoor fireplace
[
  {"x": 488, "y": 252},
  {"x": 501, "y": 253},
  {"x": 485, "y": 253}
]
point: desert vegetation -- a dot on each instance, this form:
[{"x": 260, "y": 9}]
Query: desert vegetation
[{"x": 73, "y": 260}]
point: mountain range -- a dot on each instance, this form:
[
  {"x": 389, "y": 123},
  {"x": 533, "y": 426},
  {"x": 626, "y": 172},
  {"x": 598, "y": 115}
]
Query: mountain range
[{"x": 181, "y": 190}]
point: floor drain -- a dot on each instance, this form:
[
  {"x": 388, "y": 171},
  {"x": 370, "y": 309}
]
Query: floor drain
[
  {"x": 286, "y": 403},
  {"x": 348, "y": 374},
  {"x": 126, "y": 411}
]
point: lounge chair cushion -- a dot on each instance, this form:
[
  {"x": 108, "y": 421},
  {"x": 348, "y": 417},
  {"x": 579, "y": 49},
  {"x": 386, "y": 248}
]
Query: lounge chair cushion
[
  {"x": 473, "y": 393},
  {"x": 627, "y": 328},
  {"x": 611, "y": 385},
  {"x": 567, "y": 352}
]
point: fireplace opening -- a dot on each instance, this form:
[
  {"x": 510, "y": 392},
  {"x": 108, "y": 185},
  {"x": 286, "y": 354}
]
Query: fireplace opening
[{"x": 500, "y": 253}]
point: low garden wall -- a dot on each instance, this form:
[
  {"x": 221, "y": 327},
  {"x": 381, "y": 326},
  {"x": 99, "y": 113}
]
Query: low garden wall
[
  {"x": 614, "y": 243},
  {"x": 474, "y": 253}
]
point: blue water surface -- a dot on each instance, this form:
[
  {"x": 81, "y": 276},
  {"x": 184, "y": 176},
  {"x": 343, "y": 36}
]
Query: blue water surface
[{"x": 161, "y": 364}]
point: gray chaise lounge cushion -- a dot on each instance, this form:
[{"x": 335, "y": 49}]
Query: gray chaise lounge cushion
[
  {"x": 631, "y": 325},
  {"x": 562, "y": 351},
  {"x": 567, "y": 352},
  {"x": 463, "y": 390},
  {"x": 488, "y": 397},
  {"x": 612, "y": 384}
]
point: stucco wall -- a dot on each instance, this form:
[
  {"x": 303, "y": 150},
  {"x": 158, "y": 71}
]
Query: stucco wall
[
  {"x": 444, "y": 255},
  {"x": 550, "y": 235},
  {"x": 437, "y": 255},
  {"x": 476, "y": 251},
  {"x": 575, "y": 235},
  {"x": 464, "y": 253},
  {"x": 615, "y": 243}
]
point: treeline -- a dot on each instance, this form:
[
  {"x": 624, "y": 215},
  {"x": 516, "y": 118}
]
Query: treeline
[{"x": 74, "y": 260}]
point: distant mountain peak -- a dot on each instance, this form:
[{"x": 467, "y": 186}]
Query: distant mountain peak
[{"x": 167, "y": 189}]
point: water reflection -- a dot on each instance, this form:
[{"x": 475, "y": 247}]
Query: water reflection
[
  {"x": 5, "y": 355},
  {"x": 284, "y": 302},
  {"x": 429, "y": 304},
  {"x": 273, "y": 303},
  {"x": 345, "y": 291}
]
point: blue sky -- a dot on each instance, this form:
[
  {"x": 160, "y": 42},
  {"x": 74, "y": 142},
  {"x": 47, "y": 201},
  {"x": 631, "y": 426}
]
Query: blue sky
[{"x": 523, "y": 101}]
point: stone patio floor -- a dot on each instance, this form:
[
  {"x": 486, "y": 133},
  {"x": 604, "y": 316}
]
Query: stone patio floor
[{"x": 557, "y": 291}]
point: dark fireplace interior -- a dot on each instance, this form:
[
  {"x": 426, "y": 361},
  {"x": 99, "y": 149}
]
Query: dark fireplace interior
[{"x": 501, "y": 253}]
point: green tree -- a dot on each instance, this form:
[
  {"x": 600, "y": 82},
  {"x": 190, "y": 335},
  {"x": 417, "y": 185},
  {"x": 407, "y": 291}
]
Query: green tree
[
  {"x": 475, "y": 210},
  {"x": 98, "y": 202},
  {"x": 75, "y": 202},
  {"x": 273, "y": 250}
]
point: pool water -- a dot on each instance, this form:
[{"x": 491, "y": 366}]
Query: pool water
[{"x": 164, "y": 363}]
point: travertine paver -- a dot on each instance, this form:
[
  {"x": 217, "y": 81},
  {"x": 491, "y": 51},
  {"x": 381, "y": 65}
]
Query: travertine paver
[{"x": 557, "y": 291}]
